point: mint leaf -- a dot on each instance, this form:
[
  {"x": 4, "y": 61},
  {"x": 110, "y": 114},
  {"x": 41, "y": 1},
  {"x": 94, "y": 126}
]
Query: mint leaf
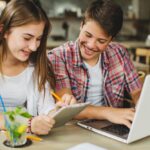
[{"x": 25, "y": 114}]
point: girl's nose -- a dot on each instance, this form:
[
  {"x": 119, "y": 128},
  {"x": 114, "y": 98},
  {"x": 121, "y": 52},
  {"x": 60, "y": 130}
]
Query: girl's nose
[{"x": 33, "y": 46}]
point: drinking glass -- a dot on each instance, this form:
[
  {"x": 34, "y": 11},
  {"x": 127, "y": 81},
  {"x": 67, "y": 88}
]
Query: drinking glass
[{"x": 16, "y": 123}]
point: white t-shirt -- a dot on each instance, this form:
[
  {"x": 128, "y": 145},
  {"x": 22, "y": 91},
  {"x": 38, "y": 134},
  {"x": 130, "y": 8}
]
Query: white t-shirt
[
  {"x": 21, "y": 90},
  {"x": 95, "y": 92}
]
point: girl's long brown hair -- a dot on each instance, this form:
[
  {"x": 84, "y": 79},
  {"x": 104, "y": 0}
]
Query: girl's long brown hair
[{"x": 21, "y": 12}]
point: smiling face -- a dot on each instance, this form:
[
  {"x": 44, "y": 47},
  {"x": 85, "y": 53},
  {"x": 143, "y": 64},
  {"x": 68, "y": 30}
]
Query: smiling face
[
  {"x": 23, "y": 40},
  {"x": 93, "y": 40}
]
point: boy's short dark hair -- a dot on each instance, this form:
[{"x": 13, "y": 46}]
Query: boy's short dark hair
[{"x": 108, "y": 14}]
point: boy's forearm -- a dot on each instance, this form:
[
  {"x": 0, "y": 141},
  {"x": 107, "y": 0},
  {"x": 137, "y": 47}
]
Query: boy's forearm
[
  {"x": 93, "y": 112},
  {"x": 136, "y": 95}
]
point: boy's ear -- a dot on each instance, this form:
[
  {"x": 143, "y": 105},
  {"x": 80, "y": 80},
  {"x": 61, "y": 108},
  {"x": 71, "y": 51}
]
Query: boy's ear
[
  {"x": 112, "y": 38},
  {"x": 81, "y": 25}
]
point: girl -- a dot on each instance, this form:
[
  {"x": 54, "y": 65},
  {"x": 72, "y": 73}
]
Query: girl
[{"x": 25, "y": 76}]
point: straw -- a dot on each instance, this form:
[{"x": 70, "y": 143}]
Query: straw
[
  {"x": 4, "y": 110},
  {"x": 2, "y": 102}
]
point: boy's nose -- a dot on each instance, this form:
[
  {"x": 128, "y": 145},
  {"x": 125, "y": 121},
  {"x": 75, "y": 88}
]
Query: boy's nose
[{"x": 91, "y": 44}]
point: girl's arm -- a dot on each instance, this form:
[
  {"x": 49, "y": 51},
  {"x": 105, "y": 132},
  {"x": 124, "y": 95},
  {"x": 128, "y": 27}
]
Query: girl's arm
[
  {"x": 46, "y": 102},
  {"x": 1, "y": 122}
]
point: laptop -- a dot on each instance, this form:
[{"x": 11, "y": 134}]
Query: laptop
[{"x": 140, "y": 127}]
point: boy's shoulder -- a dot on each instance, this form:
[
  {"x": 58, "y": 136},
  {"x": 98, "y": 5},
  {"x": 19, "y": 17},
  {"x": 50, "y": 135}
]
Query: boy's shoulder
[
  {"x": 116, "y": 45},
  {"x": 65, "y": 49},
  {"x": 116, "y": 48}
]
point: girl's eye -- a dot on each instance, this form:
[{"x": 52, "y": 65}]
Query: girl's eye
[
  {"x": 88, "y": 35},
  {"x": 38, "y": 39},
  {"x": 27, "y": 39}
]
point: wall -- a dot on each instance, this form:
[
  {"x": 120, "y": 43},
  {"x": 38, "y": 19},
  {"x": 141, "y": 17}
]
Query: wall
[
  {"x": 57, "y": 7},
  {"x": 141, "y": 9},
  {"x": 136, "y": 14},
  {"x": 74, "y": 25}
]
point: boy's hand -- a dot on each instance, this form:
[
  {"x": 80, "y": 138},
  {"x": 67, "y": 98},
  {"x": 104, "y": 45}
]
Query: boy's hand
[{"x": 67, "y": 99}]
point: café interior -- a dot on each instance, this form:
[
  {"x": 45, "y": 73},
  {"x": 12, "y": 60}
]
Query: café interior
[{"x": 66, "y": 16}]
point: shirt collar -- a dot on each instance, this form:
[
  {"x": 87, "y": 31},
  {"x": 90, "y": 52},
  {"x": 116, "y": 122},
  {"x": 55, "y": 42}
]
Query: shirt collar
[{"x": 78, "y": 60}]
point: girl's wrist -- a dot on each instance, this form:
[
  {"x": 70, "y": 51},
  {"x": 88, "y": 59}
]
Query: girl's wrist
[{"x": 29, "y": 128}]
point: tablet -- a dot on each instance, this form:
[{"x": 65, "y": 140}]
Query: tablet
[{"x": 65, "y": 114}]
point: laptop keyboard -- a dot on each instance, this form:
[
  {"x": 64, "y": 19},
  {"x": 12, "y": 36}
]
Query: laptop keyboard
[{"x": 116, "y": 129}]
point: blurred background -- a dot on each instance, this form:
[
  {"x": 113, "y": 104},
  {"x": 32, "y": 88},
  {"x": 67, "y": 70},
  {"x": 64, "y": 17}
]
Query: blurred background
[{"x": 66, "y": 16}]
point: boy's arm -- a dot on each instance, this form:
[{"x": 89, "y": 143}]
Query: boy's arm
[
  {"x": 116, "y": 115},
  {"x": 135, "y": 95}
]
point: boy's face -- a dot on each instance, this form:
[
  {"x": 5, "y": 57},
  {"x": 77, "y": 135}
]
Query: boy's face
[{"x": 93, "y": 40}]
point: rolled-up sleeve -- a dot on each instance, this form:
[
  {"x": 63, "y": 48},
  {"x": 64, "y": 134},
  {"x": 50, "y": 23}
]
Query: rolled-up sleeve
[
  {"x": 132, "y": 78},
  {"x": 60, "y": 71}
]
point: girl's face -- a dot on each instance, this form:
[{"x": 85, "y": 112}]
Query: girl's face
[{"x": 23, "y": 40}]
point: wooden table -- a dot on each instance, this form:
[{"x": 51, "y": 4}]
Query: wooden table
[{"x": 70, "y": 135}]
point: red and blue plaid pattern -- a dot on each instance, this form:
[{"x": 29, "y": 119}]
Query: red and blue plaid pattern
[{"x": 117, "y": 69}]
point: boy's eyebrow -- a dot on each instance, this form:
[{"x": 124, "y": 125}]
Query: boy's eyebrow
[{"x": 98, "y": 38}]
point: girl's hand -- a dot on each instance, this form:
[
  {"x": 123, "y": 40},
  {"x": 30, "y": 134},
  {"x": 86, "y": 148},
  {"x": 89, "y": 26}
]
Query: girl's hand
[
  {"x": 42, "y": 124},
  {"x": 2, "y": 126}
]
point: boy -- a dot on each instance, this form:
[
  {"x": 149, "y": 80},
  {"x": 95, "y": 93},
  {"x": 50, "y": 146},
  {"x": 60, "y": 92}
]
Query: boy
[{"x": 95, "y": 69}]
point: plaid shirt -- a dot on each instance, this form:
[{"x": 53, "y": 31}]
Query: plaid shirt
[{"x": 118, "y": 72}]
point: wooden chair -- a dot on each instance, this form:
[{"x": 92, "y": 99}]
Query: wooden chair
[
  {"x": 140, "y": 66},
  {"x": 142, "y": 76}
]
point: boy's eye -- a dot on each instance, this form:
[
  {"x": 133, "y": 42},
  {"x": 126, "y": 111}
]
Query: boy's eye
[{"x": 101, "y": 41}]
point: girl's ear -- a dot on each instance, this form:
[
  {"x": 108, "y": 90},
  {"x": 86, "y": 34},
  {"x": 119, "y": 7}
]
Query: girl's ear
[
  {"x": 6, "y": 35},
  {"x": 1, "y": 27}
]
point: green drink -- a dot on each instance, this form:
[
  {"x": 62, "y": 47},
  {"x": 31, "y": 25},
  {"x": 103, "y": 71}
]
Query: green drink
[{"x": 16, "y": 122}]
